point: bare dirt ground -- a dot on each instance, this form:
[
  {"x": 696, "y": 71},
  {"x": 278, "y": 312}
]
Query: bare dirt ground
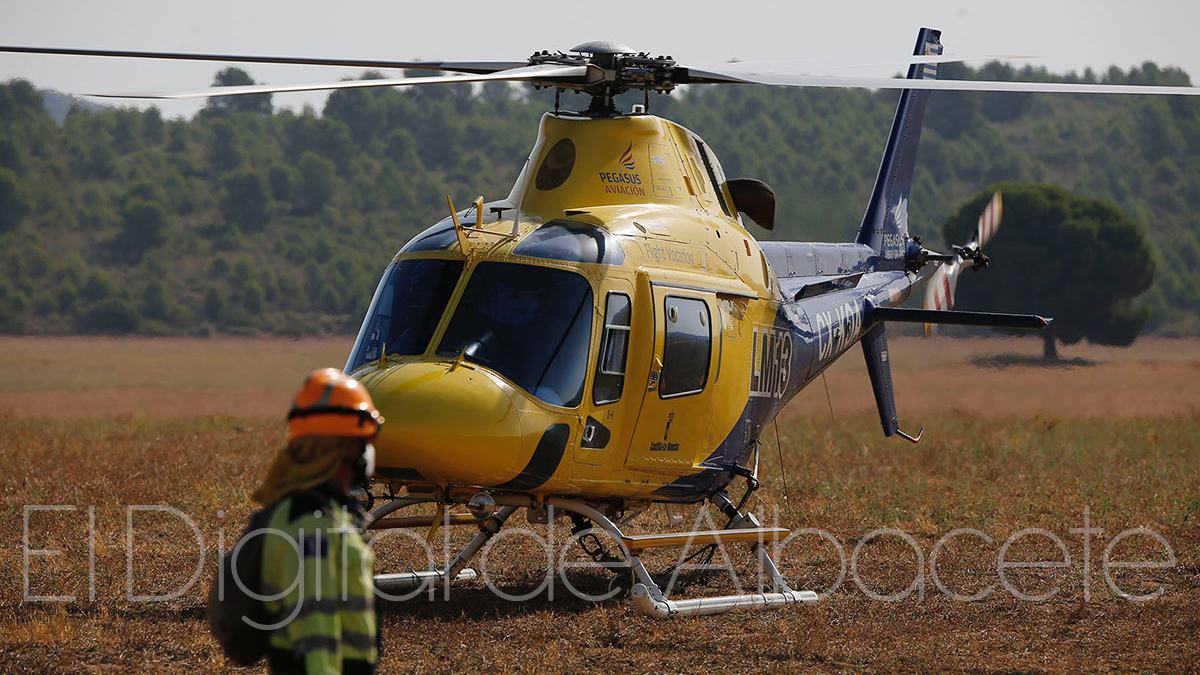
[
  {"x": 103, "y": 424},
  {"x": 183, "y": 377}
]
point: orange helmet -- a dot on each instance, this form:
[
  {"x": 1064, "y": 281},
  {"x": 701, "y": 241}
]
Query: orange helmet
[{"x": 331, "y": 403}]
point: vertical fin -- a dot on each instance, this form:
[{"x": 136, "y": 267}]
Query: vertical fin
[
  {"x": 885, "y": 223},
  {"x": 875, "y": 351}
]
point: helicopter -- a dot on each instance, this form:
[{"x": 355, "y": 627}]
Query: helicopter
[{"x": 610, "y": 334}]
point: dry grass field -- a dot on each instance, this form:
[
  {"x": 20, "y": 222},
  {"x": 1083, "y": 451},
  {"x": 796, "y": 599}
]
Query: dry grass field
[{"x": 101, "y": 424}]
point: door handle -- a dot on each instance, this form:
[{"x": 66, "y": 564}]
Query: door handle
[{"x": 655, "y": 373}]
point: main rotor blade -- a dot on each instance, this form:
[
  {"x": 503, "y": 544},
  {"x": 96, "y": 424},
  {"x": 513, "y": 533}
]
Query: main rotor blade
[
  {"x": 550, "y": 74},
  {"x": 847, "y": 82},
  {"x": 732, "y": 66},
  {"x": 450, "y": 66}
]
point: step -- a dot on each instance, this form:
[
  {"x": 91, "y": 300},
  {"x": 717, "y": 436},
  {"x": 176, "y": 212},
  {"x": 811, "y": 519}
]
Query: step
[{"x": 642, "y": 542}]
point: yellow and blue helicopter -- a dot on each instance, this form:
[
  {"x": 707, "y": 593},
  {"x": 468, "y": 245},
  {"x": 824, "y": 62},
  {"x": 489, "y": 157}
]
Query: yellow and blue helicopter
[{"x": 610, "y": 334}]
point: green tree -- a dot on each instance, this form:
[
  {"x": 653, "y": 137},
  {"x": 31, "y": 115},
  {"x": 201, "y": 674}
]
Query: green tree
[
  {"x": 99, "y": 159},
  {"x": 127, "y": 130},
  {"x": 10, "y": 155},
  {"x": 249, "y": 103},
  {"x": 12, "y": 204},
  {"x": 156, "y": 304},
  {"x": 317, "y": 179},
  {"x": 226, "y": 146},
  {"x": 363, "y": 111},
  {"x": 282, "y": 179},
  {"x": 245, "y": 199},
  {"x": 112, "y": 315},
  {"x": 215, "y": 304},
  {"x": 97, "y": 286},
  {"x": 19, "y": 98},
  {"x": 1077, "y": 259},
  {"x": 251, "y": 297},
  {"x": 152, "y": 126},
  {"x": 143, "y": 227}
]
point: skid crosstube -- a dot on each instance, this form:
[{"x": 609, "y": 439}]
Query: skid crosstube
[{"x": 645, "y": 593}]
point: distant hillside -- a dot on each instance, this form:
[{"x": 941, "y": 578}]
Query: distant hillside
[
  {"x": 58, "y": 104},
  {"x": 246, "y": 221}
]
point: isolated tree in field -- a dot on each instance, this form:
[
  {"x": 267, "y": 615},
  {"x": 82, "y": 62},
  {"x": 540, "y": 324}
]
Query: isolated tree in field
[
  {"x": 1077, "y": 259},
  {"x": 252, "y": 103}
]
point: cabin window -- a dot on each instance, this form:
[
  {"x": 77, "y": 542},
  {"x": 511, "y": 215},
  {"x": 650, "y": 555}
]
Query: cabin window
[
  {"x": 614, "y": 348},
  {"x": 687, "y": 346},
  {"x": 556, "y": 166},
  {"x": 406, "y": 309},
  {"x": 530, "y": 324}
]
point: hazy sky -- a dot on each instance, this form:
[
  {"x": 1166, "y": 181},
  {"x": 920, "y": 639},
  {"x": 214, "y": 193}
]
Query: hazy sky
[{"x": 1068, "y": 34}]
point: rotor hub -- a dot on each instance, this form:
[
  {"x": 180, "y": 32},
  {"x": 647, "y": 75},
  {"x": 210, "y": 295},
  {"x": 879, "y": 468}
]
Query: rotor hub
[{"x": 613, "y": 69}]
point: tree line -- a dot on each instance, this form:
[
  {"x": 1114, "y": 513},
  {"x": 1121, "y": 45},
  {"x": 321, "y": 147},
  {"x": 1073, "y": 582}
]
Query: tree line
[{"x": 245, "y": 219}]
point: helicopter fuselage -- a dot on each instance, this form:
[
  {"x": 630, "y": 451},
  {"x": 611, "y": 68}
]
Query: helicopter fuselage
[{"x": 609, "y": 331}]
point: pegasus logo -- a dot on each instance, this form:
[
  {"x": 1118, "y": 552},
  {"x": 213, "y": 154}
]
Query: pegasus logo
[
  {"x": 894, "y": 238},
  {"x": 627, "y": 182},
  {"x": 626, "y": 160},
  {"x": 900, "y": 215}
]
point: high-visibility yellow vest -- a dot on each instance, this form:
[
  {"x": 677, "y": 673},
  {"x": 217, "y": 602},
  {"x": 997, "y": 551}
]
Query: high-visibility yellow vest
[{"x": 317, "y": 572}]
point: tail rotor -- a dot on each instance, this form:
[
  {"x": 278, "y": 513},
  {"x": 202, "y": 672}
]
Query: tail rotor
[{"x": 939, "y": 294}]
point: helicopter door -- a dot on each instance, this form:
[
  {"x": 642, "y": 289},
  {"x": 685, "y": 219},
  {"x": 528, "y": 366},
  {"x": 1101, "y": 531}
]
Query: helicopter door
[{"x": 672, "y": 428}]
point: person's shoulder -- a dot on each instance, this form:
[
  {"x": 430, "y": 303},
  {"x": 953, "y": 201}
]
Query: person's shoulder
[{"x": 306, "y": 506}]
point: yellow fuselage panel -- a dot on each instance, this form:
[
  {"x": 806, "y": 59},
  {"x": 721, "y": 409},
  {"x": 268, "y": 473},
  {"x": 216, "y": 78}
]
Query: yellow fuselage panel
[{"x": 616, "y": 161}]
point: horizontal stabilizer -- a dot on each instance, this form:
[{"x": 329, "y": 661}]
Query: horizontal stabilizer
[{"x": 955, "y": 317}]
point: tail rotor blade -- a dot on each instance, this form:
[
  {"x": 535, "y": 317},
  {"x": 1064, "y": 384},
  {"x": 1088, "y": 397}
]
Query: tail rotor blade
[
  {"x": 989, "y": 220},
  {"x": 939, "y": 292}
]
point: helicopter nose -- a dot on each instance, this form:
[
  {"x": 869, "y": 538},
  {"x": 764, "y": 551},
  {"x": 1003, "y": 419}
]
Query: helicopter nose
[{"x": 445, "y": 424}]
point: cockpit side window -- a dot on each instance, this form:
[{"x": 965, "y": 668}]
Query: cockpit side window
[
  {"x": 716, "y": 177},
  {"x": 614, "y": 348},
  {"x": 407, "y": 307}
]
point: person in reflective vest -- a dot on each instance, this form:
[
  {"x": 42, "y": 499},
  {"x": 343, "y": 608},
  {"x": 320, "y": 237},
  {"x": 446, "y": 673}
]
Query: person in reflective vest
[{"x": 316, "y": 567}]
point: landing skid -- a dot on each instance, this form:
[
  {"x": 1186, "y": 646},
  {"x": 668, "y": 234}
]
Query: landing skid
[{"x": 645, "y": 593}]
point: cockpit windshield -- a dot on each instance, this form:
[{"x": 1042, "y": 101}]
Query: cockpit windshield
[
  {"x": 406, "y": 309},
  {"x": 530, "y": 324}
]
